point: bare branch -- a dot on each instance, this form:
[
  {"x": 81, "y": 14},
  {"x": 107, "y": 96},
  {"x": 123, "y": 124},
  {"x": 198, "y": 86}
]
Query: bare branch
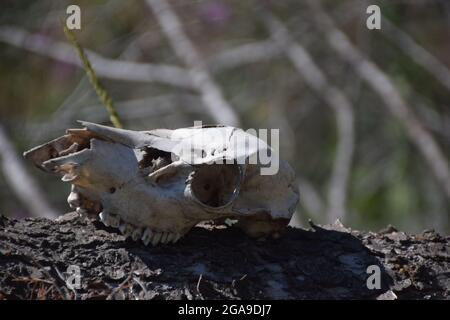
[
  {"x": 117, "y": 69},
  {"x": 432, "y": 120},
  {"x": 23, "y": 185},
  {"x": 336, "y": 99},
  {"x": 418, "y": 53},
  {"x": 211, "y": 94},
  {"x": 104, "y": 67},
  {"x": 244, "y": 54},
  {"x": 393, "y": 100}
]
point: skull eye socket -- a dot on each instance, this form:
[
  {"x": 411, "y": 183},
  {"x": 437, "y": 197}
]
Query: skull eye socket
[{"x": 215, "y": 185}]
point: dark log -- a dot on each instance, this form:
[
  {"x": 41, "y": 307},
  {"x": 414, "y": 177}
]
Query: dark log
[{"x": 328, "y": 262}]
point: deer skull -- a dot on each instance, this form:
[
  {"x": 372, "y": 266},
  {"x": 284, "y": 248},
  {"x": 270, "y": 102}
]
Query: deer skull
[{"x": 156, "y": 185}]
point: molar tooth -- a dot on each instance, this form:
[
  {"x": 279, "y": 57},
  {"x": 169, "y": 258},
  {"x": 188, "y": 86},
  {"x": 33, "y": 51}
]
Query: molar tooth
[
  {"x": 148, "y": 233},
  {"x": 164, "y": 237},
  {"x": 144, "y": 237},
  {"x": 156, "y": 238},
  {"x": 105, "y": 218},
  {"x": 176, "y": 238},
  {"x": 123, "y": 227},
  {"x": 146, "y": 241},
  {"x": 147, "y": 236},
  {"x": 109, "y": 220},
  {"x": 74, "y": 200},
  {"x": 114, "y": 221},
  {"x": 136, "y": 234},
  {"x": 128, "y": 230},
  {"x": 170, "y": 237},
  {"x": 81, "y": 212}
]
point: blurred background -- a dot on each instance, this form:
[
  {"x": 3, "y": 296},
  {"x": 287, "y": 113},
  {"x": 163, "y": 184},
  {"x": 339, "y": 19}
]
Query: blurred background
[{"x": 364, "y": 115}]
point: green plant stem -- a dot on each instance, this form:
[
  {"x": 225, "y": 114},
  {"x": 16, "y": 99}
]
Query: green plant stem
[{"x": 102, "y": 94}]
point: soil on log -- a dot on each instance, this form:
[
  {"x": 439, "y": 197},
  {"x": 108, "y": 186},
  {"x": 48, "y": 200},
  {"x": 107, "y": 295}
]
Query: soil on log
[{"x": 39, "y": 259}]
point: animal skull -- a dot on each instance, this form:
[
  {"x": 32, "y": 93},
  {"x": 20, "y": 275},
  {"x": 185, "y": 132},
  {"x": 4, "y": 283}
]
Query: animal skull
[{"x": 156, "y": 185}]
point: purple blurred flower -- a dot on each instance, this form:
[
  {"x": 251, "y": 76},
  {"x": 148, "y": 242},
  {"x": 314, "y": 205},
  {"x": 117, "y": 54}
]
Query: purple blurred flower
[
  {"x": 216, "y": 13},
  {"x": 62, "y": 72},
  {"x": 40, "y": 40}
]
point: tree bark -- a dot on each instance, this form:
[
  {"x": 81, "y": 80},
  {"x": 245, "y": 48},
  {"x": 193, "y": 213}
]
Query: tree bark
[{"x": 329, "y": 262}]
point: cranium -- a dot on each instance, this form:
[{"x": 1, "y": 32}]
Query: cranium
[{"x": 156, "y": 185}]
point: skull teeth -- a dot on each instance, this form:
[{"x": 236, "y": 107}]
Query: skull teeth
[
  {"x": 115, "y": 221},
  {"x": 81, "y": 212},
  {"x": 136, "y": 234},
  {"x": 104, "y": 217},
  {"x": 156, "y": 238},
  {"x": 74, "y": 200},
  {"x": 159, "y": 237},
  {"x": 170, "y": 237},
  {"x": 147, "y": 235},
  {"x": 109, "y": 220},
  {"x": 176, "y": 237},
  {"x": 164, "y": 237},
  {"x": 126, "y": 229}
]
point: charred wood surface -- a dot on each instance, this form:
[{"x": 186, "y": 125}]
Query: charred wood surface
[{"x": 327, "y": 262}]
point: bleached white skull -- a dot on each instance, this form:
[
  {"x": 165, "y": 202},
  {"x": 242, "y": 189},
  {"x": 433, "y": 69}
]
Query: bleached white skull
[{"x": 156, "y": 185}]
